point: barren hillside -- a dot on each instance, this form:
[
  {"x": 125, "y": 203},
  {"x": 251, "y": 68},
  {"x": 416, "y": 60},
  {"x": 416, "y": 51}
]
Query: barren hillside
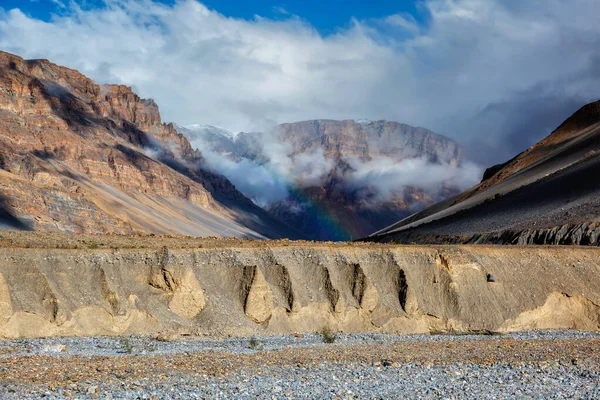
[
  {"x": 548, "y": 194},
  {"x": 79, "y": 157}
]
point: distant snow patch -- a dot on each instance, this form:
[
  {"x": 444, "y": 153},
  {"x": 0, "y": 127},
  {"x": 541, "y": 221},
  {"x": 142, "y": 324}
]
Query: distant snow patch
[{"x": 203, "y": 129}]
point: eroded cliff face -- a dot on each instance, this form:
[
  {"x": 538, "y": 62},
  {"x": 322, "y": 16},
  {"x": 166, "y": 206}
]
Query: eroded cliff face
[
  {"x": 370, "y": 139},
  {"x": 360, "y": 210},
  {"x": 267, "y": 290},
  {"x": 81, "y": 157}
]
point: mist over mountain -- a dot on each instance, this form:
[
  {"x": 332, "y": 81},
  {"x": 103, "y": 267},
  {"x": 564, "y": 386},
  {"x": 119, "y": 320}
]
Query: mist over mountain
[
  {"x": 490, "y": 74},
  {"x": 548, "y": 194},
  {"x": 337, "y": 179}
]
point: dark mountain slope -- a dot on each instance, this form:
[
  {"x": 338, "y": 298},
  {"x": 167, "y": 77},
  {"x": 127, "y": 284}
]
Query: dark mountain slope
[{"x": 548, "y": 194}]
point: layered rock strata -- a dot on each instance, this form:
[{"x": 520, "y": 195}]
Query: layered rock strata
[{"x": 80, "y": 157}]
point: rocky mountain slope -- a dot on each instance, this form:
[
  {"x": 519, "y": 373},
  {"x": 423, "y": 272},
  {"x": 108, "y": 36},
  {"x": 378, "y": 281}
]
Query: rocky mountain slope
[
  {"x": 80, "y": 157},
  {"x": 242, "y": 287},
  {"x": 549, "y": 194},
  {"x": 332, "y": 173}
]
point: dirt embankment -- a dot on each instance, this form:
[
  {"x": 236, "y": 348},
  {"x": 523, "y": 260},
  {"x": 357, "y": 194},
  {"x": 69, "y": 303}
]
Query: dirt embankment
[{"x": 284, "y": 287}]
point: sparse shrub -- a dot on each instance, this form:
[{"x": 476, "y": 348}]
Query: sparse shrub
[
  {"x": 387, "y": 363},
  {"x": 327, "y": 335},
  {"x": 94, "y": 245},
  {"x": 126, "y": 345},
  {"x": 253, "y": 343}
]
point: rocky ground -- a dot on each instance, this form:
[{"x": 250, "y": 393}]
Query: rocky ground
[
  {"x": 556, "y": 364},
  {"x": 63, "y": 240}
]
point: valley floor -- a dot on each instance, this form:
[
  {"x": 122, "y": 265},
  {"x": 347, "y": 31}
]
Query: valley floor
[
  {"x": 543, "y": 364},
  {"x": 63, "y": 240}
]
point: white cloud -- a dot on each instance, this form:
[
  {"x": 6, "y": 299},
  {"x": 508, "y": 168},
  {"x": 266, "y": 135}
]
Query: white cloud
[
  {"x": 258, "y": 182},
  {"x": 59, "y": 3},
  {"x": 280, "y": 10},
  {"x": 270, "y": 172},
  {"x": 471, "y": 56},
  {"x": 406, "y": 22},
  {"x": 311, "y": 169},
  {"x": 266, "y": 179},
  {"x": 387, "y": 177}
]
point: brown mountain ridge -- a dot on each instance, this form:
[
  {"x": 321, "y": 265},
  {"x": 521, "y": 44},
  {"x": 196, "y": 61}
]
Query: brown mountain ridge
[{"x": 80, "y": 157}]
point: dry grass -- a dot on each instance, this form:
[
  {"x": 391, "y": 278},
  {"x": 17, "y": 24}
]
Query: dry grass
[{"x": 69, "y": 241}]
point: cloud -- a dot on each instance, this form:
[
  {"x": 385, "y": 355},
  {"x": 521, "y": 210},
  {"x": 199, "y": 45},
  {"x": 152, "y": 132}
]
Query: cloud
[
  {"x": 58, "y": 3},
  {"x": 257, "y": 182},
  {"x": 303, "y": 169},
  {"x": 388, "y": 177},
  {"x": 271, "y": 170},
  {"x": 468, "y": 62},
  {"x": 280, "y": 10},
  {"x": 405, "y": 22},
  {"x": 270, "y": 175}
]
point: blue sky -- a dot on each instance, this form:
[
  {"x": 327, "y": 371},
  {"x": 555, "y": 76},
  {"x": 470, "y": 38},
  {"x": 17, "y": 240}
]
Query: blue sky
[{"x": 327, "y": 16}]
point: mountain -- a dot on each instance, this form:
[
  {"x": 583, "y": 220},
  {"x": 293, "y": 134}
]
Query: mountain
[
  {"x": 80, "y": 157},
  {"x": 328, "y": 178},
  {"x": 548, "y": 194}
]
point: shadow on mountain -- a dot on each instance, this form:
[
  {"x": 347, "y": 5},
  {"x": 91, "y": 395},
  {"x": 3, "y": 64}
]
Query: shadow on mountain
[
  {"x": 244, "y": 211},
  {"x": 76, "y": 114},
  {"x": 8, "y": 218},
  {"x": 65, "y": 104},
  {"x": 534, "y": 198}
]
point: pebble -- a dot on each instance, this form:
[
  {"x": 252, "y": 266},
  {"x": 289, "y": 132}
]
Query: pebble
[{"x": 536, "y": 365}]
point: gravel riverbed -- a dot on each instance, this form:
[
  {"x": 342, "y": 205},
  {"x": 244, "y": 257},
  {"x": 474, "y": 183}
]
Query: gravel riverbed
[{"x": 541, "y": 365}]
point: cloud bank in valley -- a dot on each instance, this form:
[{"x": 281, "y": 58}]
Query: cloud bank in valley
[
  {"x": 266, "y": 178},
  {"x": 387, "y": 176},
  {"x": 272, "y": 171},
  {"x": 496, "y": 75},
  {"x": 259, "y": 182}
]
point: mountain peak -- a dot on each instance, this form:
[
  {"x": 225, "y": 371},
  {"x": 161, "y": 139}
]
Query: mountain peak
[{"x": 337, "y": 179}]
